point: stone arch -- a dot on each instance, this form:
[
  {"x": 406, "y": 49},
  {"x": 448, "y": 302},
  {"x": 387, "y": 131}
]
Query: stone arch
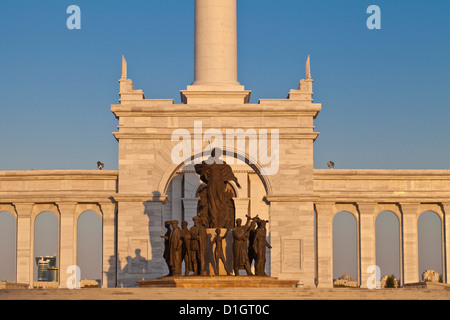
[
  {"x": 83, "y": 207},
  {"x": 393, "y": 213},
  {"x": 432, "y": 237},
  {"x": 346, "y": 207},
  {"x": 96, "y": 243},
  {"x": 173, "y": 169},
  {"x": 8, "y": 208},
  {"x": 348, "y": 210},
  {"x": 430, "y": 207},
  {"x": 44, "y": 207},
  {"x": 391, "y": 207},
  {"x": 37, "y": 210}
]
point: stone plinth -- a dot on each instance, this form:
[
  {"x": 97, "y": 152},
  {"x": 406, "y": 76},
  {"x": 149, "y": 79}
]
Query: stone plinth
[
  {"x": 217, "y": 282},
  {"x": 13, "y": 285}
]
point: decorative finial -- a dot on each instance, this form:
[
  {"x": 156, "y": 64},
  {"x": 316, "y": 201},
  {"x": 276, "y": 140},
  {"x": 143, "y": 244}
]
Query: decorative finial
[
  {"x": 308, "y": 69},
  {"x": 124, "y": 68}
]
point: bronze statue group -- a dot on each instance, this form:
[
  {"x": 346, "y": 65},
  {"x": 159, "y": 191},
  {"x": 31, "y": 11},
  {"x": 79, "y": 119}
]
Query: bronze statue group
[
  {"x": 215, "y": 211},
  {"x": 190, "y": 246}
]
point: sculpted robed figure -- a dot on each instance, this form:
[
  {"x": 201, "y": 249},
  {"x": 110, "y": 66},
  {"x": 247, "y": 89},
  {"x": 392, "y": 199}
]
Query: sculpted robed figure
[{"x": 216, "y": 208}]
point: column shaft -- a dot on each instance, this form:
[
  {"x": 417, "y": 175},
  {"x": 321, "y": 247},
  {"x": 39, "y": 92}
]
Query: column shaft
[
  {"x": 324, "y": 234},
  {"x": 215, "y": 42},
  {"x": 24, "y": 244},
  {"x": 410, "y": 243},
  {"x": 367, "y": 241},
  {"x": 67, "y": 245}
]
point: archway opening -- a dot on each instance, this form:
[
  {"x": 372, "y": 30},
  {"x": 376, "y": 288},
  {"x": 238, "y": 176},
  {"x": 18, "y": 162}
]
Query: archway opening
[
  {"x": 89, "y": 245},
  {"x": 46, "y": 247},
  {"x": 185, "y": 185},
  {"x": 7, "y": 247},
  {"x": 429, "y": 228},
  {"x": 387, "y": 237},
  {"x": 345, "y": 255}
]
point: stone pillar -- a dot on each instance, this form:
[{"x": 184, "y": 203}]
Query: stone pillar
[
  {"x": 25, "y": 244},
  {"x": 140, "y": 246},
  {"x": 215, "y": 42},
  {"x": 190, "y": 211},
  {"x": 292, "y": 239},
  {"x": 215, "y": 76},
  {"x": 67, "y": 246},
  {"x": 410, "y": 243},
  {"x": 324, "y": 234},
  {"x": 109, "y": 260},
  {"x": 367, "y": 240}
]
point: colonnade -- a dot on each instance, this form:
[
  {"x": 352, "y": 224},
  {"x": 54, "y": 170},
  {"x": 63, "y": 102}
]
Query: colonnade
[
  {"x": 365, "y": 214},
  {"x": 67, "y": 214}
]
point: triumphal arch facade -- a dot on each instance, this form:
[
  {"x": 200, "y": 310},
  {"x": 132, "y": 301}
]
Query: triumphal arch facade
[{"x": 270, "y": 147}]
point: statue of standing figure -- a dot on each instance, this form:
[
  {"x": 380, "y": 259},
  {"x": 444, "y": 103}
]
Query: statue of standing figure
[
  {"x": 198, "y": 241},
  {"x": 175, "y": 245},
  {"x": 216, "y": 204},
  {"x": 166, "y": 253},
  {"x": 186, "y": 248},
  {"x": 240, "y": 247},
  {"x": 259, "y": 246},
  {"x": 218, "y": 250}
]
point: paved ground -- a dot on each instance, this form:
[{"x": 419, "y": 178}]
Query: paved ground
[{"x": 437, "y": 293}]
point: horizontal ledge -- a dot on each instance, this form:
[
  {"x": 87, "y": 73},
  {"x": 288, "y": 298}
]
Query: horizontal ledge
[
  {"x": 100, "y": 174},
  {"x": 159, "y": 136},
  {"x": 141, "y": 198}
]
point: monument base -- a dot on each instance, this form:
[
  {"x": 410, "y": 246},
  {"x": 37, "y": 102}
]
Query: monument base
[{"x": 217, "y": 282}]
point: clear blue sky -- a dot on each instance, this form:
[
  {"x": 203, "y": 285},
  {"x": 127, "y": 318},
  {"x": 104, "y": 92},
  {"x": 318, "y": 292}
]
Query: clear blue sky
[{"x": 385, "y": 93}]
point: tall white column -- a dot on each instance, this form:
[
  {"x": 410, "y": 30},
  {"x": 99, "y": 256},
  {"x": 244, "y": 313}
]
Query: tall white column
[
  {"x": 215, "y": 42},
  {"x": 215, "y": 75}
]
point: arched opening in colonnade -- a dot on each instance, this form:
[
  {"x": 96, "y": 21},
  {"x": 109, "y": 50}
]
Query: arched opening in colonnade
[
  {"x": 184, "y": 185},
  {"x": 7, "y": 246},
  {"x": 46, "y": 242},
  {"x": 345, "y": 247},
  {"x": 387, "y": 237},
  {"x": 429, "y": 229},
  {"x": 89, "y": 245}
]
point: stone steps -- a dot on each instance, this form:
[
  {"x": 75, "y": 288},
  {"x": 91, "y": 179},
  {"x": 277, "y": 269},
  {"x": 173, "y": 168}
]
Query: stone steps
[{"x": 225, "y": 294}]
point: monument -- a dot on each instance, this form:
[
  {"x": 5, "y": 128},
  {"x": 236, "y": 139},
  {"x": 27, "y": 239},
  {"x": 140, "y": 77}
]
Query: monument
[{"x": 290, "y": 233}]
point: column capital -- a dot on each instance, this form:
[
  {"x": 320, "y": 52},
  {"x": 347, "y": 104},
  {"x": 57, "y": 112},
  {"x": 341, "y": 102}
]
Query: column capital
[
  {"x": 24, "y": 209},
  {"x": 409, "y": 207},
  {"x": 366, "y": 207},
  {"x": 66, "y": 208}
]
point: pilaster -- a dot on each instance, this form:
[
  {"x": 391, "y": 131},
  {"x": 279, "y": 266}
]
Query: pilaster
[
  {"x": 410, "y": 242},
  {"x": 24, "y": 243},
  {"x": 324, "y": 234},
  {"x": 67, "y": 245},
  {"x": 367, "y": 238}
]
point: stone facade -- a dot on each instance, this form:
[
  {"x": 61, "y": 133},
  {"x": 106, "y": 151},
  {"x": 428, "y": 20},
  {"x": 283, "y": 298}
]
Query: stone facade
[{"x": 149, "y": 188}]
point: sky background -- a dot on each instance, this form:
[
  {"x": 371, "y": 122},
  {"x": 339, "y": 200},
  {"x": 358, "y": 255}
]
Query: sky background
[{"x": 385, "y": 93}]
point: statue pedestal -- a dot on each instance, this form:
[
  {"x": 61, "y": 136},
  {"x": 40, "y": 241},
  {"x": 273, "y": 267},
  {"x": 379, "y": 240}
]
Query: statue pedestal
[
  {"x": 227, "y": 247},
  {"x": 217, "y": 282}
]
